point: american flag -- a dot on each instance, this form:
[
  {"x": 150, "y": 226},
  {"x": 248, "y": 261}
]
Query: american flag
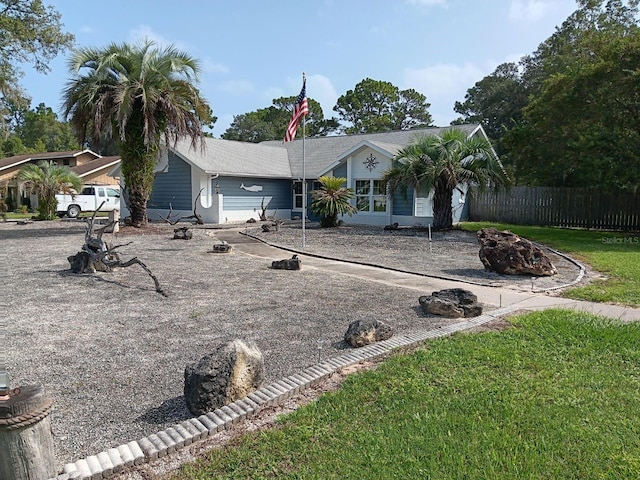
[{"x": 300, "y": 108}]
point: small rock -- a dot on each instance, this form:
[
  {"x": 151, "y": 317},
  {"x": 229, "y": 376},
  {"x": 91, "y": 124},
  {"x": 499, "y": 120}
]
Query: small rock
[
  {"x": 182, "y": 233},
  {"x": 366, "y": 332},
  {"x": 292, "y": 263},
  {"x": 223, "y": 247},
  {"x": 451, "y": 303}
]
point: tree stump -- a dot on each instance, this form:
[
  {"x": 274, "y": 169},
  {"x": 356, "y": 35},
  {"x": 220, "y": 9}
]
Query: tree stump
[{"x": 26, "y": 441}]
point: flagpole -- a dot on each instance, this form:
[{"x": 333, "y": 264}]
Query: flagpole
[{"x": 304, "y": 183}]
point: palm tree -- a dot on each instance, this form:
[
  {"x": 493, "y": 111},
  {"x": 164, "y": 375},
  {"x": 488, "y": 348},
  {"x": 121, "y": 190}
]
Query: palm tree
[
  {"x": 140, "y": 96},
  {"x": 331, "y": 200},
  {"x": 440, "y": 164},
  {"x": 46, "y": 179}
]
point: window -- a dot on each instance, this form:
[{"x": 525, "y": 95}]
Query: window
[
  {"x": 371, "y": 196},
  {"x": 297, "y": 194},
  {"x": 101, "y": 192},
  {"x": 112, "y": 192}
]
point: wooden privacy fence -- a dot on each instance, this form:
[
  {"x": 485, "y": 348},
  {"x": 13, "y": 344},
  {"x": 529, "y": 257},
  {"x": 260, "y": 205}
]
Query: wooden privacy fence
[{"x": 561, "y": 207}]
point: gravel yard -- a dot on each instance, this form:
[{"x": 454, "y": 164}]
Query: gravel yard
[
  {"x": 111, "y": 351},
  {"x": 450, "y": 254}
]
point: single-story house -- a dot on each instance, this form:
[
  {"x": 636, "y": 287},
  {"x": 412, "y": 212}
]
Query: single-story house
[
  {"x": 232, "y": 181},
  {"x": 92, "y": 168}
]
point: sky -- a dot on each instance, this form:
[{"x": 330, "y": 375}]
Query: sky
[{"x": 254, "y": 51}]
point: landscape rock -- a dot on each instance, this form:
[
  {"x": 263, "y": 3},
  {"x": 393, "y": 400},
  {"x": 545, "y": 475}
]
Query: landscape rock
[
  {"x": 451, "y": 303},
  {"x": 292, "y": 263},
  {"x": 507, "y": 253},
  {"x": 182, "y": 233},
  {"x": 230, "y": 373},
  {"x": 366, "y": 332},
  {"x": 223, "y": 247}
]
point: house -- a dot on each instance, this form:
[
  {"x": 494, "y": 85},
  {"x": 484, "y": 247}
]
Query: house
[
  {"x": 90, "y": 167},
  {"x": 231, "y": 181}
]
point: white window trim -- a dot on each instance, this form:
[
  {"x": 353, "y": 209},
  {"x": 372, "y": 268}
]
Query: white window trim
[{"x": 371, "y": 196}]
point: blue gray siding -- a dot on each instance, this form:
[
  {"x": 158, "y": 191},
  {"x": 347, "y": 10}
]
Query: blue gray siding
[
  {"x": 403, "y": 205},
  {"x": 341, "y": 170},
  {"x": 173, "y": 186},
  {"x": 277, "y": 193}
]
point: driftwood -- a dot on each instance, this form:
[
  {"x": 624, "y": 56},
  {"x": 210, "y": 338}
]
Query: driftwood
[
  {"x": 96, "y": 254},
  {"x": 263, "y": 211},
  {"x": 196, "y": 216}
]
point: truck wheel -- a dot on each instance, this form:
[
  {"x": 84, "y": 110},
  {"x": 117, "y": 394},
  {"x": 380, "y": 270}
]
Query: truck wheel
[{"x": 73, "y": 211}]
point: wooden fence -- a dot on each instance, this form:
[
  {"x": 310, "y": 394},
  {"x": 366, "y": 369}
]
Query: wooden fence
[{"x": 562, "y": 207}]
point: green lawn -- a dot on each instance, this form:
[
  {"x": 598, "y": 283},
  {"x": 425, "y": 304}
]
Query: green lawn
[
  {"x": 617, "y": 255},
  {"x": 556, "y": 397}
]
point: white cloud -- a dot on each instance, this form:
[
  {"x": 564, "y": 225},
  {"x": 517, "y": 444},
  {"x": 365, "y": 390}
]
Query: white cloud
[
  {"x": 443, "y": 85},
  {"x": 442, "y": 79},
  {"x": 529, "y": 10},
  {"x": 322, "y": 90},
  {"x": 210, "y": 66},
  {"x": 145, "y": 32}
]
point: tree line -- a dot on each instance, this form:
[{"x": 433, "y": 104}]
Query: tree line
[
  {"x": 568, "y": 114},
  {"x": 565, "y": 115}
]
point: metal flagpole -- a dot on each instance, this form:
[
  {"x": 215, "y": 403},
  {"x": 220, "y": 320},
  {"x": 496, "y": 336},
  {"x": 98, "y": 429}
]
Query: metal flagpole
[{"x": 304, "y": 183}]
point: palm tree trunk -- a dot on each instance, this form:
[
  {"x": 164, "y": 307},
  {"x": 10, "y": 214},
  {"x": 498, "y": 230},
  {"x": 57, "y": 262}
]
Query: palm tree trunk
[
  {"x": 138, "y": 208},
  {"x": 442, "y": 211}
]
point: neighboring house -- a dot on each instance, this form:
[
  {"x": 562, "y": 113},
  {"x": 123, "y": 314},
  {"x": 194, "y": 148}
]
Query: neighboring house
[
  {"x": 90, "y": 167},
  {"x": 231, "y": 181}
]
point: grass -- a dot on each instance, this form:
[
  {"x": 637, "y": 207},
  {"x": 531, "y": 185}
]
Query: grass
[
  {"x": 20, "y": 216},
  {"x": 616, "y": 255},
  {"x": 554, "y": 397}
]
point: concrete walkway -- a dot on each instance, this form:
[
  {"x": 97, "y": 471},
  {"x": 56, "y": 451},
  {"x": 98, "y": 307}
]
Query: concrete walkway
[{"x": 493, "y": 296}]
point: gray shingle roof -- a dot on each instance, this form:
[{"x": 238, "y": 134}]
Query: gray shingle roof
[
  {"x": 322, "y": 152},
  {"x": 277, "y": 160},
  {"x": 228, "y": 157}
]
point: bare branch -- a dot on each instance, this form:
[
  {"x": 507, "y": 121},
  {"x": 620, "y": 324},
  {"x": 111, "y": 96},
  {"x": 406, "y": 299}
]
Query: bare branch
[{"x": 196, "y": 216}]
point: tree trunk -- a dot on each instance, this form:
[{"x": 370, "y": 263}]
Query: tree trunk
[
  {"x": 442, "y": 212},
  {"x": 138, "y": 206},
  {"x": 26, "y": 441}
]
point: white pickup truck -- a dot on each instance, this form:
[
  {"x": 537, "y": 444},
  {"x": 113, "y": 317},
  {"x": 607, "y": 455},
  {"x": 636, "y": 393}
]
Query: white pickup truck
[{"x": 88, "y": 200}]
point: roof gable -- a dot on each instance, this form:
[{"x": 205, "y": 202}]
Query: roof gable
[
  {"x": 322, "y": 153},
  {"x": 11, "y": 162}
]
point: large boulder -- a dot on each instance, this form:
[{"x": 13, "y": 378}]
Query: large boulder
[
  {"x": 230, "y": 373},
  {"x": 451, "y": 303},
  {"x": 507, "y": 253},
  {"x": 365, "y": 332}
]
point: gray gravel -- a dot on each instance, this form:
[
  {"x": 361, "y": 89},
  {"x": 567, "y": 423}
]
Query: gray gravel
[
  {"x": 111, "y": 351},
  {"x": 451, "y": 254}
]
